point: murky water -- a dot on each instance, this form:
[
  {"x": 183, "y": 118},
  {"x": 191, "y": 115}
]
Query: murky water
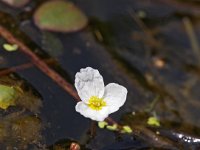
[{"x": 152, "y": 56}]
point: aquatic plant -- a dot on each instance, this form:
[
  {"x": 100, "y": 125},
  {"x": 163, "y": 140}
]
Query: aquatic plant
[{"x": 97, "y": 101}]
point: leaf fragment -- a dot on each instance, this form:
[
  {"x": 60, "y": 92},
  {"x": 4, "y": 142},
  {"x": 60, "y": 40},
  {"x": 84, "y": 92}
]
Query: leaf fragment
[
  {"x": 126, "y": 129},
  {"x": 10, "y": 47},
  {"x": 153, "y": 121},
  {"x": 102, "y": 124},
  {"x": 112, "y": 128}
]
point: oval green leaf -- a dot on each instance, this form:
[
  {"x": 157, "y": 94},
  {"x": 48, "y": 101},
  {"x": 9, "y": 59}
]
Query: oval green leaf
[{"x": 60, "y": 16}]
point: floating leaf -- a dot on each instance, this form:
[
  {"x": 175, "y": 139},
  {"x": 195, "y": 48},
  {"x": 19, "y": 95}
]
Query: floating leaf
[
  {"x": 16, "y": 3},
  {"x": 7, "y": 96},
  {"x": 112, "y": 128},
  {"x": 126, "y": 129},
  {"x": 153, "y": 121},
  {"x": 10, "y": 47},
  {"x": 60, "y": 16},
  {"x": 102, "y": 124}
]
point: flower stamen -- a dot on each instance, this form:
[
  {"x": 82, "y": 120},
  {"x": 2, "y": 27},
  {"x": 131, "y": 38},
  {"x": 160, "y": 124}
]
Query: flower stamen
[{"x": 96, "y": 103}]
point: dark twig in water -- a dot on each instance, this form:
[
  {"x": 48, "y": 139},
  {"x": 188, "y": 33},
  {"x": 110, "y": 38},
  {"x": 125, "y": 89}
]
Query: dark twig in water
[
  {"x": 39, "y": 63},
  {"x": 15, "y": 68},
  {"x": 18, "y": 68},
  {"x": 153, "y": 138}
]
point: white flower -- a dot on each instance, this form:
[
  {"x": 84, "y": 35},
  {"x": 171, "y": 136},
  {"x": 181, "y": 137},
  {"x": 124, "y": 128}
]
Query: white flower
[{"x": 97, "y": 101}]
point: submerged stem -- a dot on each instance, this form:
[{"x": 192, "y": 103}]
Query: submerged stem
[
  {"x": 93, "y": 129},
  {"x": 20, "y": 67},
  {"x": 153, "y": 104},
  {"x": 192, "y": 37}
]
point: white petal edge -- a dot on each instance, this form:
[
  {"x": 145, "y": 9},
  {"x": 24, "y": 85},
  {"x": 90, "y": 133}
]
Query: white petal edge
[
  {"x": 115, "y": 96},
  {"x": 87, "y": 112},
  {"x": 89, "y": 82}
]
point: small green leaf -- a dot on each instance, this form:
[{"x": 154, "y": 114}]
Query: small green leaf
[
  {"x": 10, "y": 47},
  {"x": 126, "y": 129},
  {"x": 112, "y": 128},
  {"x": 102, "y": 124},
  {"x": 153, "y": 121},
  {"x": 7, "y": 96}
]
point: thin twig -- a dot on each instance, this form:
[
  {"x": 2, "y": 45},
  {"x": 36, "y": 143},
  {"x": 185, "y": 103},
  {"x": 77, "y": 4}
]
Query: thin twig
[
  {"x": 153, "y": 103},
  {"x": 18, "y": 68},
  {"x": 15, "y": 68},
  {"x": 39, "y": 63},
  {"x": 145, "y": 29},
  {"x": 192, "y": 37}
]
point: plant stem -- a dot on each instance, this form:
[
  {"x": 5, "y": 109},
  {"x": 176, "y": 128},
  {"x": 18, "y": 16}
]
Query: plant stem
[
  {"x": 93, "y": 129},
  {"x": 192, "y": 37},
  {"x": 153, "y": 104}
]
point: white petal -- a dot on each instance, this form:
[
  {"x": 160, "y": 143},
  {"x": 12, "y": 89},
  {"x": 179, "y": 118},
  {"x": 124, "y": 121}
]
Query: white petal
[
  {"x": 89, "y": 82},
  {"x": 87, "y": 112},
  {"x": 115, "y": 96}
]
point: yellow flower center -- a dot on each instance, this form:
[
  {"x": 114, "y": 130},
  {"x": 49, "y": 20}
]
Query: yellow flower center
[{"x": 96, "y": 103}]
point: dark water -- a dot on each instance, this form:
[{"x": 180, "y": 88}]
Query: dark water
[{"x": 126, "y": 53}]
